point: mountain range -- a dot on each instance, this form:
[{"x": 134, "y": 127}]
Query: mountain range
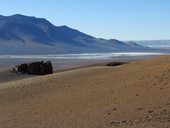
[
  {"x": 21, "y": 34},
  {"x": 161, "y": 44}
]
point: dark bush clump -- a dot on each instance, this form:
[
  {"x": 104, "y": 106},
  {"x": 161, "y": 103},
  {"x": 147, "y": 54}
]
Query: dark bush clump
[
  {"x": 115, "y": 63},
  {"x": 35, "y": 68}
]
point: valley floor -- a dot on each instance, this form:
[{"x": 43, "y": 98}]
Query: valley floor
[{"x": 134, "y": 95}]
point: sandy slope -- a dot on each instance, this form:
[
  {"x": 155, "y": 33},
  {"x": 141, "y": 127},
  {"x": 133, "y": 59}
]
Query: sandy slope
[
  {"x": 6, "y": 76},
  {"x": 134, "y": 95}
]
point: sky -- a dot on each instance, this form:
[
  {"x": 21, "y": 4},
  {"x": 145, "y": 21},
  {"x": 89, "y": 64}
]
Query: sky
[{"x": 109, "y": 19}]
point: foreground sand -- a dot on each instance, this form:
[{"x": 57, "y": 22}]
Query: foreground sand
[
  {"x": 7, "y": 76},
  {"x": 135, "y": 95}
]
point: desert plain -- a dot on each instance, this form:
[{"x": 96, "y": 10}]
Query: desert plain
[{"x": 133, "y": 95}]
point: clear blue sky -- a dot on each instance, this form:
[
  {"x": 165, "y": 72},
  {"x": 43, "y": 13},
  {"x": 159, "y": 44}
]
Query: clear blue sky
[{"x": 120, "y": 19}]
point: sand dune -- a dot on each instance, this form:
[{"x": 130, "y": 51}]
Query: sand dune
[{"x": 134, "y": 95}]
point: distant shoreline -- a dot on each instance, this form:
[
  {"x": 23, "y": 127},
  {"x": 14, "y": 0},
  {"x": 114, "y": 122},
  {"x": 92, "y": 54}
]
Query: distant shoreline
[{"x": 64, "y": 61}]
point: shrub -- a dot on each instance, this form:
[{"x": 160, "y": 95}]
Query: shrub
[
  {"x": 36, "y": 68},
  {"x": 115, "y": 63}
]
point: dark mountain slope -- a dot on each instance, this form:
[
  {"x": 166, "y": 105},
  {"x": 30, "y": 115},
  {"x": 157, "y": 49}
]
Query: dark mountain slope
[{"x": 31, "y": 35}]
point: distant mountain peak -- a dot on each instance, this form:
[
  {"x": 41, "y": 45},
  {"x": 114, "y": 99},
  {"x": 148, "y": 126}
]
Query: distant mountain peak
[{"x": 19, "y": 15}]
